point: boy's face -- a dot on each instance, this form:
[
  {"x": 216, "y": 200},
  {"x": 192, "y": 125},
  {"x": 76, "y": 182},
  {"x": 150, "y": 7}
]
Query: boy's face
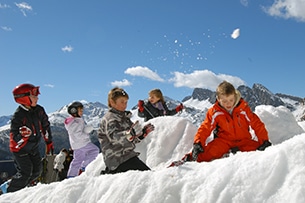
[
  {"x": 34, "y": 100},
  {"x": 227, "y": 101},
  {"x": 120, "y": 104},
  {"x": 153, "y": 98}
]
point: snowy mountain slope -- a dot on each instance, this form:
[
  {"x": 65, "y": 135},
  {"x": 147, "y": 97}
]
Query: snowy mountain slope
[
  {"x": 93, "y": 112},
  {"x": 274, "y": 175}
]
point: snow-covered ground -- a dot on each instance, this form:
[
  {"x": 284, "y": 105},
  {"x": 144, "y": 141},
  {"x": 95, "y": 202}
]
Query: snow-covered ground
[{"x": 274, "y": 175}]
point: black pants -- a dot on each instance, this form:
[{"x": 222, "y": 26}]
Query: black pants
[
  {"x": 62, "y": 175},
  {"x": 28, "y": 167},
  {"x": 133, "y": 163}
]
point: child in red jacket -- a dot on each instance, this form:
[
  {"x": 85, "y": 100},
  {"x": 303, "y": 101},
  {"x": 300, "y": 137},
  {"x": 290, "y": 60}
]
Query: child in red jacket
[
  {"x": 230, "y": 118},
  {"x": 29, "y": 125}
]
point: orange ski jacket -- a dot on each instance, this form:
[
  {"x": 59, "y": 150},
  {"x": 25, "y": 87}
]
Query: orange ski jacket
[{"x": 231, "y": 127}]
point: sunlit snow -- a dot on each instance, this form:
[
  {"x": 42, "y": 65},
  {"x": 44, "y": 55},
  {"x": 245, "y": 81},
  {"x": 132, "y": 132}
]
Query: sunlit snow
[{"x": 274, "y": 175}]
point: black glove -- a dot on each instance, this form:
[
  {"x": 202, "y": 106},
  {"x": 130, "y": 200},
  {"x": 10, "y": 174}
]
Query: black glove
[
  {"x": 263, "y": 146},
  {"x": 197, "y": 149}
]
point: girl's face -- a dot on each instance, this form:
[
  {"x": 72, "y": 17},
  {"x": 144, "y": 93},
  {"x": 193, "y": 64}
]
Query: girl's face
[
  {"x": 227, "y": 101},
  {"x": 153, "y": 98},
  {"x": 120, "y": 104},
  {"x": 80, "y": 112}
]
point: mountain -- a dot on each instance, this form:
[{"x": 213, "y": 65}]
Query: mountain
[
  {"x": 195, "y": 108},
  {"x": 5, "y": 120},
  {"x": 93, "y": 112},
  {"x": 255, "y": 96}
]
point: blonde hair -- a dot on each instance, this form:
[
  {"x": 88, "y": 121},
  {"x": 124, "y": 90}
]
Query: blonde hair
[
  {"x": 225, "y": 88},
  {"x": 115, "y": 93},
  {"x": 157, "y": 93}
]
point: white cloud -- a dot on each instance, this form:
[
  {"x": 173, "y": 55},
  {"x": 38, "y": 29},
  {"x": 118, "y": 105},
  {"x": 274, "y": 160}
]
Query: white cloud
[
  {"x": 122, "y": 83},
  {"x": 287, "y": 9},
  {"x": 203, "y": 79},
  {"x": 68, "y": 48},
  {"x": 144, "y": 72},
  {"x": 6, "y": 28},
  {"x": 24, "y": 7},
  {"x": 49, "y": 85},
  {"x": 235, "y": 34},
  {"x": 244, "y": 2}
]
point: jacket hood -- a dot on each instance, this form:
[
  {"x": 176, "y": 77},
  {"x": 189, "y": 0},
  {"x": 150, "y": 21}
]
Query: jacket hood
[
  {"x": 69, "y": 120},
  {"x": 238, "y": 96},
  {"x": 237, "y": 101}
]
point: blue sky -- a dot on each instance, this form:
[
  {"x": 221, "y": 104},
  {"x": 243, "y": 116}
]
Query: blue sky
[{"x": 79, "y": 50}]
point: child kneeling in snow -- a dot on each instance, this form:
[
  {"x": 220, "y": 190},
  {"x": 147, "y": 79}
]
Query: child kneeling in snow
[
  {"x": 230, "y": 118},
  {"x": 118, "y": 135}
]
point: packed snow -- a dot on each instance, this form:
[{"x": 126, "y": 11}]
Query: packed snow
[{"x": 274, "y": 175}]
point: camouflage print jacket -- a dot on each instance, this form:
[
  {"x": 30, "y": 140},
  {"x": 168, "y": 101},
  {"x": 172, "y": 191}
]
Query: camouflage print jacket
[{"x": 115, "y": 147}]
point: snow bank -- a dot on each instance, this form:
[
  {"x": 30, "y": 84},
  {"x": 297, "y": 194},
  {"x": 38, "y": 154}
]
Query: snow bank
[{"x": 274, "y": 175}]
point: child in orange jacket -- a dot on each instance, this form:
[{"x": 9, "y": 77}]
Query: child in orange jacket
[{"x": 230, "y": 118}]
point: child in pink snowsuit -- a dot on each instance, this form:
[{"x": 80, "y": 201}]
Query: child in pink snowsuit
[{"x": 84, "y": 151}]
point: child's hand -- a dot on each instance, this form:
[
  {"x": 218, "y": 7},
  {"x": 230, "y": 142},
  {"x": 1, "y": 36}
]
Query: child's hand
[
  {"x": 146, "y": 130},
  {"x": 179, "y": 107},
  {"x": 49, "y": 147},
  {"x": 197, "y": 149},
  {"x": 135, "y": 131},
  {"x": 25, "y": 131},
  {"x": 265, "y": 144},
  {"x": 141, "y": 105}
]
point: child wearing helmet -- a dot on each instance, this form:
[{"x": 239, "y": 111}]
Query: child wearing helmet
[
  {"x": 29, "y": 123},
  {"x": 84, "y": 151}
]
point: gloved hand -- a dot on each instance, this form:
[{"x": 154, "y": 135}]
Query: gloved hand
[
  {"x": 141, "y": 105},
  {"x": 25, "y": 131},
  {"x": 263, "y": 146},
  {"x": 146, "y": 130},
  {"x": 134, "y": 131},
  {"x": 187, "y": 157},
  {"x": 179, "y": 107},
  {"x": 49, "y": 147},
  {"x": 197, "y": 149}
]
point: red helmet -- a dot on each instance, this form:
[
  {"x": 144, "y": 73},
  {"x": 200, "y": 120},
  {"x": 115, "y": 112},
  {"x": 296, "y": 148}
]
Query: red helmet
[{"x": 22, "y": 92}]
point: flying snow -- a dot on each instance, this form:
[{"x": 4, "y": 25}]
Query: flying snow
[{"x": 235, "y": 34}]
